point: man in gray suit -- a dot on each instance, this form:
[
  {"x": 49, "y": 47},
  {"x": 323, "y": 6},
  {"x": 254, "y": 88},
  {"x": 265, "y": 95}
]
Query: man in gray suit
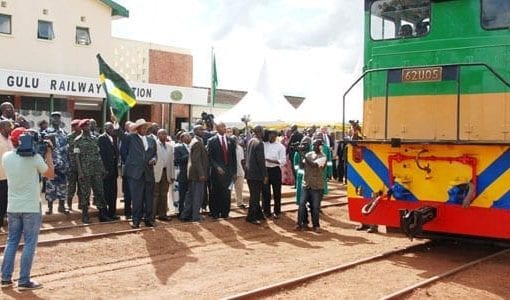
[
  {"x": 198, "y": 167},
  {"x": 139, "y": 169},
  {"x": 256, "y": 174}
]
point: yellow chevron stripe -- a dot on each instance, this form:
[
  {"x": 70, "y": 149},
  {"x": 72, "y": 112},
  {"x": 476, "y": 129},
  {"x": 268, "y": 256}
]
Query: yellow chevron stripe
[
  {"x": 495, "y": 191},
  {"x": 369, "y": 176}
]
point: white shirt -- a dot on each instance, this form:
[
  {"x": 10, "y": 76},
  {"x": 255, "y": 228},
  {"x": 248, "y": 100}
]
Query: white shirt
[
  {"x": 223, "y": 141},
  {"x": 274, "y": 151},
  {"x": 239, "y": 157},
  {"x": 164, "y": 149},
  {"x": 144, "y": 140}
]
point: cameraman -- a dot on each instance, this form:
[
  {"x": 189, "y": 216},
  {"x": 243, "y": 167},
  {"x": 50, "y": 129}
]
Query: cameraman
[{"x": 24, "y": 208}]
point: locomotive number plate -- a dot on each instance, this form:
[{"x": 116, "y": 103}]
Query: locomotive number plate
[{"x": 422, "y": 74}]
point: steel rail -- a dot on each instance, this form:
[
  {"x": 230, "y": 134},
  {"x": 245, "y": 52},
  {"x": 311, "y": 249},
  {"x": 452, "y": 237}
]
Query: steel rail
[
  {"x": 74, "y": 226},
  {"x": 312, "y": 276},
  {"x": 433, "y": 279},
  {"x": 135, "y": 230}
]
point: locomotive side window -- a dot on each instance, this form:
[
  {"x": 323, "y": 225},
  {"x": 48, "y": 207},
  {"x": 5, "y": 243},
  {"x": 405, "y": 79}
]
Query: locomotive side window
[
  {"x": 495, "y": 14},
  {"x": 394, "y": 19}
]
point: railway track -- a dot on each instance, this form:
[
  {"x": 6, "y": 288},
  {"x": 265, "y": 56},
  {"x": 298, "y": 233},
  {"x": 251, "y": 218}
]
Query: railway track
[
  {"x": 115, "y": 228},
  {"x": 291, "y": 287}
]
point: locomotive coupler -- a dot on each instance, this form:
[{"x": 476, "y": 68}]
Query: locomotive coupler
[{"x": 411, "y": 222}]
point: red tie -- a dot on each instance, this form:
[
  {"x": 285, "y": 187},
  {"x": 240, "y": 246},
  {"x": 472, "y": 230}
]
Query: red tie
[{"x": 224, "y": 148}]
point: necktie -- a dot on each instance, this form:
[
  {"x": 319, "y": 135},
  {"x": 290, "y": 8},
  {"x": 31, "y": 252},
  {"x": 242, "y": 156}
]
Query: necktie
[{"x": 224, "y": 148}]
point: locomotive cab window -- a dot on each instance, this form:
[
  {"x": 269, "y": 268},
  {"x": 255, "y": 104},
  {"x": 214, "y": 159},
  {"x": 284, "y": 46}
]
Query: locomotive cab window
[
  {"x": 394, "y": 19},
  {"x": 495, "y": 14}
]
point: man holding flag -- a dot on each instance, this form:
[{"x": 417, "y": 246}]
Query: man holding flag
[{"x": 142, "y": 154}]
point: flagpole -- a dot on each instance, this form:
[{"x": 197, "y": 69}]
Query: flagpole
[{"x": 214, "y": 78}]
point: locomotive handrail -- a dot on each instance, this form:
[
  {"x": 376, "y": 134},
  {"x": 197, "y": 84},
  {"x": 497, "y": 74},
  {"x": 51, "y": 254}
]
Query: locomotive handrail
[{"x": 491, "y": 69}]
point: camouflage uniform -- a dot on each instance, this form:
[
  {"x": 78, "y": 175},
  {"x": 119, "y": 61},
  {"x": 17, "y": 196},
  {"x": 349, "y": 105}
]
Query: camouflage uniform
[
  {"x": 56, "y": 189},
  {"x": 72, "y": 175},
  {"x": 92, "y": 168}
]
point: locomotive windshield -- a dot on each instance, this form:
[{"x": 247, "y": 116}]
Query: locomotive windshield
[
  {"x": 495, "y": 14},
  {"x": 391, "y": 19}
]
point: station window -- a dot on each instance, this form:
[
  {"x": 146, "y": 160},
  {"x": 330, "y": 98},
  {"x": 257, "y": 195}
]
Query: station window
[
  {"x": 495, "y": 14},
  {"x": 5, "y": 24},
  {"x": 393, "y": 19},
  {"x": 45, "y": 30},
  {"x": 43, "y": 104},
  {"x": 82, "y": 36}
]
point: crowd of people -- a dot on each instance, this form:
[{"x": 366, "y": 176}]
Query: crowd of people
[{"x": 196, "y": 170}]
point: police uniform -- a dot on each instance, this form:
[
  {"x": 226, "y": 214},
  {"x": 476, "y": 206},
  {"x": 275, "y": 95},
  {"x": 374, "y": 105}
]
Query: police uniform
[{"x": 56, "y": 188}]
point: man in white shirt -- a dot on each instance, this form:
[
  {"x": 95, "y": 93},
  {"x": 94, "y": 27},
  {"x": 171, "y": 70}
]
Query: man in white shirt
[
  {"x": 164, "y": 174},
  {"x": 239, "y": 182},
  {"x": 275, "y": 158}
]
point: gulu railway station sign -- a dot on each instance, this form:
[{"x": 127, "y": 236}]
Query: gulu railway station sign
[{"x": 66, "y": 85}]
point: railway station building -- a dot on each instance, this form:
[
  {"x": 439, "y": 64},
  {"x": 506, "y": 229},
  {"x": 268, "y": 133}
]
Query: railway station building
[{"x": 49, "y": 63}]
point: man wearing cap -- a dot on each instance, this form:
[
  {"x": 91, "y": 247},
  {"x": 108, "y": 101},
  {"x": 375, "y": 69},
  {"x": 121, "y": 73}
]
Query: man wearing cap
[
  {"x": 73, "y": 187},
  {"x": 23, "y": 210},
  {"x": 90, "y": 172},
  {"x": 56, "y": 189},
  {"x": 5, "y": 145},
  {"x": 139, "y": 169}
]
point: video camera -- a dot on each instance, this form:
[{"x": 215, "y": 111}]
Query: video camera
[
  {"x": 208, "y": 120},
  {"x": 31, "y": 143}
]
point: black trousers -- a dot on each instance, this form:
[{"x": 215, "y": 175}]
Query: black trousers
[
  {"x": 127, "y": 196},
  {"x": 142, "y": 193},
  {"x": 275, "y": 182},
  {"x": 341, "y": 170},
  {"x": 183, "y": 188},
  {"x": 219, "y": 204},
  {"x": 3, "y": 200},
  {"x": 254, "y": 211},
  {"x": 110, "y": 194}
]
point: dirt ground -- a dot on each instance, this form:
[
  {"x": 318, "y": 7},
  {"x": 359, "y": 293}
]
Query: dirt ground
[{"x": 217, "y": 259}]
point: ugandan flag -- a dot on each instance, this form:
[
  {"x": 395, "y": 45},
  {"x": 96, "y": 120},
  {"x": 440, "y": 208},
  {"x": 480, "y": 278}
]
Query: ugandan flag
[{"x": 119, "y": 95}]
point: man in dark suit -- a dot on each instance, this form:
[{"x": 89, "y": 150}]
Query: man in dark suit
[
  {"x": 110, "y": 156},
  {"x": 256, "y": 174},
  {"x": 295, "y": 139},
  {"x": 222, "y": 158},
  {"x": 123, "y": 152},
  {"x": 181, "y": 155},
  {"x": 139, "y": 170},
  {"x": 198, "y": 169}
]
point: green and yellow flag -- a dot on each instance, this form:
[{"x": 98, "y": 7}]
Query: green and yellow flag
[{"x": 119, "y": 95}]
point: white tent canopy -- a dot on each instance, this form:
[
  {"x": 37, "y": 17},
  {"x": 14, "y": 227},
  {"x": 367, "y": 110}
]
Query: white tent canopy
[
  {"x": 264, "y": 104},
  {"x": 324, "y": 107}
]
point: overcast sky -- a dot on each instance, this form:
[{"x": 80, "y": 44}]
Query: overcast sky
[{"x": 310, "y": 45}]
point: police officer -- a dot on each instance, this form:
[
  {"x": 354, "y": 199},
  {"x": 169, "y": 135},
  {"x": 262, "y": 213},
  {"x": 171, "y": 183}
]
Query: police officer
[
  {"x": 56, "y": 188},
  {"x": 72, "y": 175},
  {"x": 90, "y": 172}
]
